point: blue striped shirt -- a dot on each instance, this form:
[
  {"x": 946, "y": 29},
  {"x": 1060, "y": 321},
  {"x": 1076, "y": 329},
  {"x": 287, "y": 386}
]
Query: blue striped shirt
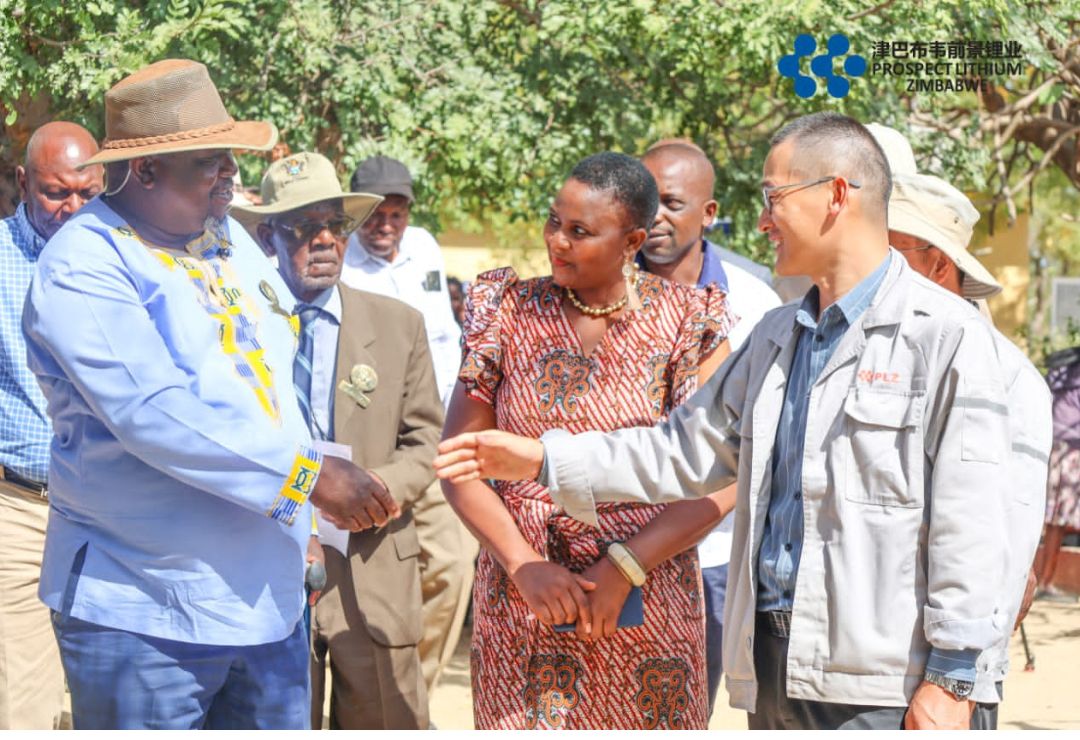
[
  {"x": 781, "y": 546},
  {"x": 24, "y": 425}
]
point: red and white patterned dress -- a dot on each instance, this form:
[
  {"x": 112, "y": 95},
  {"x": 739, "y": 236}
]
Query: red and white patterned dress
[{"x": 524, "y": 358}]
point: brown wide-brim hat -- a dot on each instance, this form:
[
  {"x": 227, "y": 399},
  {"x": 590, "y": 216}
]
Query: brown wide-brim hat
[{"x": 173, "y": 106}]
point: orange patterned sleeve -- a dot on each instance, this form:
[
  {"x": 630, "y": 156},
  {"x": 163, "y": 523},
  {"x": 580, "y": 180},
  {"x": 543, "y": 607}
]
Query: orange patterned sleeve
[
  {"x": 707, "y": 323},
  {"x": 486, "y": 307}
]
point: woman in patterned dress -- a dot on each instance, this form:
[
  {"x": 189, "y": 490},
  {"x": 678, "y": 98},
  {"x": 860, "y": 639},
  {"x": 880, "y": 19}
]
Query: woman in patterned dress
[{"x": 573, "y": 351}]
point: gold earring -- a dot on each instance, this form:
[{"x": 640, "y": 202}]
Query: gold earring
[{"x": 630, "y": 275}]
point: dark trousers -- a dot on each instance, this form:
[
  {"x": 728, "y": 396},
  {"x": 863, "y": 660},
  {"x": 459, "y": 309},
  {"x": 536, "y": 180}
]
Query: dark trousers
[
  {"x": 715, "y": 584},
  {"x": 985, "y": 716},
  {"x": 775, "y": 711}
]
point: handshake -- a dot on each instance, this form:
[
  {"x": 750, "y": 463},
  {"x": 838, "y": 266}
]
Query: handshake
[{"x": 352, "y": 498}]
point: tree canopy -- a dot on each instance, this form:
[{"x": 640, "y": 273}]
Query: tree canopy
[{"x": 490, "y": 102}]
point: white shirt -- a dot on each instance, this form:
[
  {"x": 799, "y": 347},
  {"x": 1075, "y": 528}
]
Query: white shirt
[
  {"x": 750, "y": 298},
  {"x": 417, "y": 276}
]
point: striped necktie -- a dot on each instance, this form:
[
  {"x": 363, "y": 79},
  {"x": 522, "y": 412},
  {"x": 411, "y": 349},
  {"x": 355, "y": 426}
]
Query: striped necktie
[{"x": 303, "y": 364}]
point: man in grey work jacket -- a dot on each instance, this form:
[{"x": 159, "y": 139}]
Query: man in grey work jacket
[{"x": 868, "y": 433}]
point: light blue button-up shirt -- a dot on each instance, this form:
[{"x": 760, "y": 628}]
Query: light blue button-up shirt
[
  {"x": 324, "y": 360},
  {"x": 781, "y": 546},
  {"x": 24, "y": 425},
  {"x": 182, "y": 469}
]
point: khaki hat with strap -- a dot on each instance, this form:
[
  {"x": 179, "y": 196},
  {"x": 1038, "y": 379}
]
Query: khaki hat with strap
[
  {"x": 896, "y": 147},
  {"x": 173, "y": 106},
  {"x": 301, "y": 180},
  {"x": 931, "y": 209}
]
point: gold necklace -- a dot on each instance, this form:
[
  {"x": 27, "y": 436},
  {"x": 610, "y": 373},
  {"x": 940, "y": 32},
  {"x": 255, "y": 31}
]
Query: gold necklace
[
  {"x": 590, "y": 311},
  {"x": 602, "y": 310}
]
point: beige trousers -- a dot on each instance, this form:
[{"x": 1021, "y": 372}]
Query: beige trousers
[
  {"x": 373, "y": 687},
  {"x": 447, "y": 566},
  {"x": 31, "y": 677}
]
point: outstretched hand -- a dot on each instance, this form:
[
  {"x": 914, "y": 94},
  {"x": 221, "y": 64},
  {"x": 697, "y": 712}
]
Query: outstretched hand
[{"x": 489, "y": 454}]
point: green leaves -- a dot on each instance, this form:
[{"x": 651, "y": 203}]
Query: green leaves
[{"x": 491, "y": 102}]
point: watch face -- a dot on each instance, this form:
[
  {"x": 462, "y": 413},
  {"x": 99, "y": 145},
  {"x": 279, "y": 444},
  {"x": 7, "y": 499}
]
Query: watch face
[{"x": 963, "y": 689}]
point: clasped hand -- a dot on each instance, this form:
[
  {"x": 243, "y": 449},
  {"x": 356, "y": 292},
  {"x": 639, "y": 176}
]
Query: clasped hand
[
  {"x": 351, "y": 498},
  {"x": 556, "y": 595}
]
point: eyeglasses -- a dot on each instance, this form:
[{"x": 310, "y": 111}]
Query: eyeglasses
[
  {"x": 915, "y": 249},
  {"x": 768, "y": 190},
  {"x": 305, "y": 231}
]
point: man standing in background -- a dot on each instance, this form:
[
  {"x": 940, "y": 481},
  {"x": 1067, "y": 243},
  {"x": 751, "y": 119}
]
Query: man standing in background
[
  {"x": 389, "y": 257},
  {"x": 678, "y": 250},
  {"x": 52, "y": 190}
]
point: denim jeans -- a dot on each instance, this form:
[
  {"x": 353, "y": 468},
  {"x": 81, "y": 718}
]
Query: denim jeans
[{"x": 123, "y": 680}]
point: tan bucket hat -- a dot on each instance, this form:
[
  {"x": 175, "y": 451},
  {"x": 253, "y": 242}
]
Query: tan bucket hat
[
  {"x": 929, "y": 208},
  {"x": 172, "y": 106},
  {"x": 301, "y": 180}
]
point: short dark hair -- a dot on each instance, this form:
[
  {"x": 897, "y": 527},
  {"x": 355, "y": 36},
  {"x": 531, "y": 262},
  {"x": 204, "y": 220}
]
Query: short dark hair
[
  {"x": 630, "y": 184},
  {"x": 834, "y": 144}
]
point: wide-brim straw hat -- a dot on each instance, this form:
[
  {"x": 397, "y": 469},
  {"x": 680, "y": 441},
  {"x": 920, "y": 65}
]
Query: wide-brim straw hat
[
  {"x": 173, "y": 106},
  {"x": 929, "y": 208},
  {"x": 301, "y": 180}
]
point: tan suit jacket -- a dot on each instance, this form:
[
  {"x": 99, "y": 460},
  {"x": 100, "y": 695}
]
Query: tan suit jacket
[{"x": 395, "y": 438}]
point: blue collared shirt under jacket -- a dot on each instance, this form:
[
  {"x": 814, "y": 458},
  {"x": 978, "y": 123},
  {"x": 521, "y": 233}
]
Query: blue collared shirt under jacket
[
  {"x": 781, "y": 546},
  {"x": 24, "y": 425},
  {"x": 778, "y": 558},
  {"x": 712, "y": 267},
  {"x": 181, "y": 465}
]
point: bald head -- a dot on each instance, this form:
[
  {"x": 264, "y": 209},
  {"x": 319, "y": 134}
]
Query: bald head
[
  {"x": 689, "y": 155},
  {"x": 685, "y": 179},
  {"x": 49, "y": 183}
]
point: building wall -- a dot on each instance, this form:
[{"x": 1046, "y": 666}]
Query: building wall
[{"x": 1005, "y": 255}]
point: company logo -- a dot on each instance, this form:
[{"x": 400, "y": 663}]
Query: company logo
[{"x": 822, "y": 66}]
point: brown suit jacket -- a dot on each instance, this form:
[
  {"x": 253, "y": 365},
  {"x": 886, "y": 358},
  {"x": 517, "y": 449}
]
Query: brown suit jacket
[{"x": 395, "y": 438}]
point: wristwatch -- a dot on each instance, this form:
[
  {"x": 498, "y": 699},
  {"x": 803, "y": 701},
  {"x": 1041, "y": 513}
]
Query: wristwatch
[{"x": 956, "y": 687}]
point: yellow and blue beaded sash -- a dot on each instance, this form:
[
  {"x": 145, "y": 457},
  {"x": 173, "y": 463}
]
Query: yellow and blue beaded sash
[{"x": 217, "y": 289}]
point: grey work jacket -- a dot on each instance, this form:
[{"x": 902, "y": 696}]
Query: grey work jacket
[
  {"x": 905, "y": 490},
  {"x": 1031, "y": 435}
]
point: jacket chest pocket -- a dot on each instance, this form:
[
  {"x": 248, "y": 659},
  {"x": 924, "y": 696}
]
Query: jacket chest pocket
[{"x": 885, "y": 439}]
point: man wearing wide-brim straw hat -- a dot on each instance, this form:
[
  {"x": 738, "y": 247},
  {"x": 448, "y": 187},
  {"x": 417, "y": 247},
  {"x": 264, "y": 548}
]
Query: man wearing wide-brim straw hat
[
  {"x": 181, "y": 468},
  {"x": 931, "y": 224},
  {"x": 365, "y": 380}
]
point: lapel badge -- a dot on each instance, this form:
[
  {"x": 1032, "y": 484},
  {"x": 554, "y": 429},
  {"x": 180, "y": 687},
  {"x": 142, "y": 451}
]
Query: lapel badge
[
  {"x": 271, "y": 296},
  {"x": 362, "y": 380}
]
